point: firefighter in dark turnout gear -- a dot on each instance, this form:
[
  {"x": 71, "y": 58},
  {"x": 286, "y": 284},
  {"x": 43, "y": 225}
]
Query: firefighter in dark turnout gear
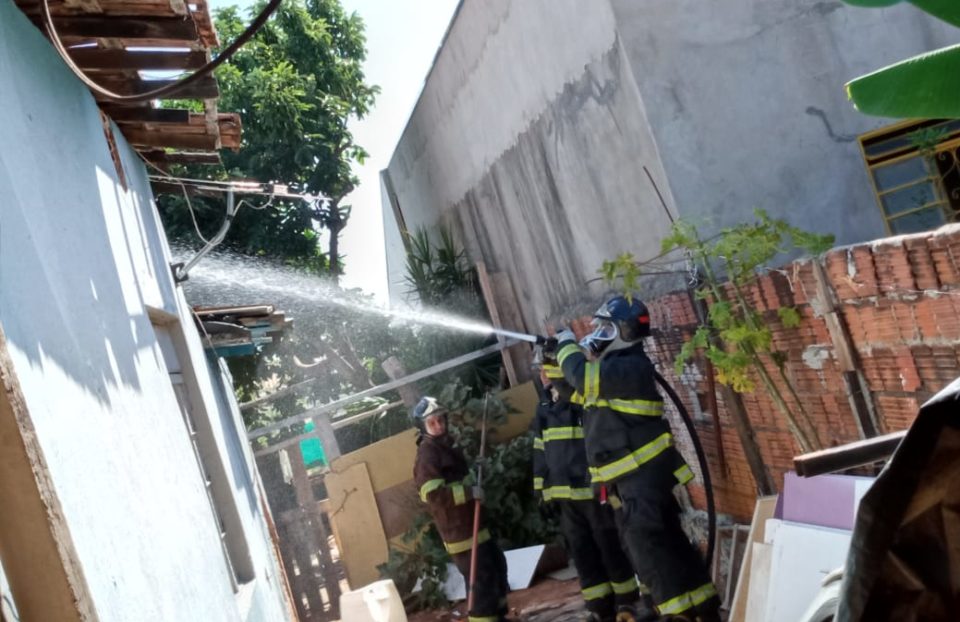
[
  {"x": 607, "y": 581},
  {"x": 631, "y": 454},
  {"x": 439, "y": 472}
]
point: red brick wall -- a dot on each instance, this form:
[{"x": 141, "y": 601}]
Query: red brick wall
[{"x": 900, "y": 299}]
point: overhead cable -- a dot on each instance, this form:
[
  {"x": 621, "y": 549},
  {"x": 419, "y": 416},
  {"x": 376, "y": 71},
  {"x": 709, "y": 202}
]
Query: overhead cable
[{"x": 164, "y": 90}]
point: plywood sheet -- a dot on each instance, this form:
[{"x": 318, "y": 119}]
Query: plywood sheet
[
  {"x": 389, "y": 462},
  {"x": 763, "y": 510},
  {"x": 356, "y": 521},
  {"x": 756, "y": 605},
  {"x": 803, "y": 555}
]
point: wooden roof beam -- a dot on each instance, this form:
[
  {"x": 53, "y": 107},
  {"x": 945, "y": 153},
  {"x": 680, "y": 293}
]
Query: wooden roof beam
[
  {"x": 204, "y": 88},
  {"x": 123, "y": 114},
  {"x": 102, "y": 59},
  {"x": 159, "y": 156},
  {"x": 103, "y": 26},
  {"x": 153, "y": 138}
]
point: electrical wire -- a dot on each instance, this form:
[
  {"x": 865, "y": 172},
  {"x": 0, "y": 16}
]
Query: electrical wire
[
  {"x": 186, "y": 195},
  {"x": 169, "y": 89}
]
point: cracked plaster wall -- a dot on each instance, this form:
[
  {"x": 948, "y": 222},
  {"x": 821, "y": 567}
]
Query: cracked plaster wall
[{"x": 534, "y": 126}]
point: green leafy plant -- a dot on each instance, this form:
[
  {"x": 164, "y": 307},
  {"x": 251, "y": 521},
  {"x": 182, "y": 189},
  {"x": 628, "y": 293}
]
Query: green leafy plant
[
  {"x": 423, "y": 560},
  {"x": 440, "y": 279},
  {"x": 919, "y": 87},
  {"x": 736, "y": 338},
  {"x": 297, "y": 85},
  {"x": 511, "y": 510}
]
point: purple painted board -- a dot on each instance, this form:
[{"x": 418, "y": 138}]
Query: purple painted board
[{"x": 825, "y": 500}]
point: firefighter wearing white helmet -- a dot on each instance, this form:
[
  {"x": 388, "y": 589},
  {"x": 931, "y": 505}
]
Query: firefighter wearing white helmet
[
  {"x": 632, "y": 457},
  {"x": 441, "y": 475}
]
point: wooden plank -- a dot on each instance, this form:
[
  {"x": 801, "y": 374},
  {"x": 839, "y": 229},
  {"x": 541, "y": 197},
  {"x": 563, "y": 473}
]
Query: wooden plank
[
  {"x": 97, "y": 26},
  {"x": 764, "y": 509},
  {"x": 100, "y": 59},
  {"x": 182, "y": 157},
  {"x": 146, "y": 138},
  {"x": 87, "y": 6},
  {"x": 41, "y": 564},
  {"x": 201, "y": 16},
  {"x": 316, "y": 532},
  {"x": 125, "y": 115},
  {"x": 521, "y": 355},
  {"x": 127, "y": 8},
  {"x": 204, "y": 88},
  {"x": 490, "y": 298},
  {"x": 363, "y": 544},
  {"x": 761, "y": 558},
  {"x": 229, "y": 126}
]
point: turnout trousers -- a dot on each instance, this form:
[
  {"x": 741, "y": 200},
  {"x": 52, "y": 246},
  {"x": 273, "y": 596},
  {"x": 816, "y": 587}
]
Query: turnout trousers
[
  {"x": 662, "y": 555},
  {"x": 490, "y": 601},
  {"x": 606, "y": 574}
]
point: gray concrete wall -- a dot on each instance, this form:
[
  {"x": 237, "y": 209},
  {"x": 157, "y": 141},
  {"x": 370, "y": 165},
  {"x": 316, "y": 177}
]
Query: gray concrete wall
[
  {"x": 529, "y": 139},
  {"x": 84, "y": 272},
  {"x": 538, "y": 117},
  {"x": 747, "y": 104}
]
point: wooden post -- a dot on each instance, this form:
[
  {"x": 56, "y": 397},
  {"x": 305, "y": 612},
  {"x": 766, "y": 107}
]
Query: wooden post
[
  {"x": 741, "y": 422},
  {"x": 410, "y": 394},
  {"x": 42, "y": 566},
  {"x": 847, "y": 357},
  {"x": 319, "y": 534},
  {"x": 328, "y": 440},
  {"x": 501, "y": 301}
]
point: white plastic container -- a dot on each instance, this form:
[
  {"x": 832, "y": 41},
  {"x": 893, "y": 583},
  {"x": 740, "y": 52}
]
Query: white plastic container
[{"x": 377, "y": 602}]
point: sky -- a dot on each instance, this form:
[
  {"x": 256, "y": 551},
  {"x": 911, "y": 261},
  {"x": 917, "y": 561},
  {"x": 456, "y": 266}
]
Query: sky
[{"x": 402, "y": 39}]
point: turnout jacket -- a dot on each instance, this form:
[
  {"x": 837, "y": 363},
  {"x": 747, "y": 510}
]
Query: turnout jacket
[
  {"x": 559, "y": 454},
  {"x": 439, "y": 473},
  {"x": 623, "y": 422}
]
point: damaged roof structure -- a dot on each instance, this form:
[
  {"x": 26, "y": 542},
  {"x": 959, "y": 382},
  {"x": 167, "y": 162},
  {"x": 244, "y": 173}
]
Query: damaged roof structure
[{"x": 132, "y": 47}]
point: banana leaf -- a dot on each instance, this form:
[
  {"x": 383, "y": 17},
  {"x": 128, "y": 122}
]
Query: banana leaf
[
  {"x": 925, "y": 86},
  {"x": 947, "y": 10}
]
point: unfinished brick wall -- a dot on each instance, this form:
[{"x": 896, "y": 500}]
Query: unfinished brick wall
[{"x": 900, "y": 301}]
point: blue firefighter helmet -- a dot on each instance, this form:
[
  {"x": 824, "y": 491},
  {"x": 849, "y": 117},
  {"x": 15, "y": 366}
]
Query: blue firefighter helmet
[{"x": 618, "y": 323}]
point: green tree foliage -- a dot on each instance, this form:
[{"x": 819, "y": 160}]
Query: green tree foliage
[
  {"x": 737, "y": 337},
  {"x": 919, "y": 87},
  {"x": 440, "y": 279},
  {"x": 295, "y": 85}
]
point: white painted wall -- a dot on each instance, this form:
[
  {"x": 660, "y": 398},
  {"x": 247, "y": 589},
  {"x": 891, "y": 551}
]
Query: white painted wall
[{"x": 81, "y": 259}]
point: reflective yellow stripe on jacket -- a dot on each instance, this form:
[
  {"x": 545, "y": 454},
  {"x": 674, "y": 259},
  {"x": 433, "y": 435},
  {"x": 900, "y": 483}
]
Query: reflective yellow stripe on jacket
[
  {"x": 567, "y": 493},
  {"x": 568, "y": 433},
  {"x": 426, "y": 489},
  {"x": 613, "y": 470},
  {"x": 552, "y": 371},
  {"x": 465, "y": 545},
  {"x": 456, "y": 489},
  {"x": 566, "y": 351}
]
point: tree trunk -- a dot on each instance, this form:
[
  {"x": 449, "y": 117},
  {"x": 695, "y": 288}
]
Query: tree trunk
[
  {"x": 738, "y": 413},
  {"x": 335, "y": 226}
]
